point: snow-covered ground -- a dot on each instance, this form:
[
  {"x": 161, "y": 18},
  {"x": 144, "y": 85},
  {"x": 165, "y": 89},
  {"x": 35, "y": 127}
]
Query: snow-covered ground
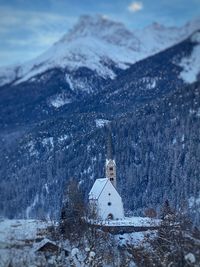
[
  {"x": 132, "y": 221},
  {"x": 20, "y": 230},
  {"x": 136, "y": 238},
  {"x": 19, "y": 240}
]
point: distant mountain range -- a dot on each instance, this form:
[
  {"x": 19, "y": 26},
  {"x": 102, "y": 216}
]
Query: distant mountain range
[
  {"x": 54, "y": 108},
  {"x": 101, "y": 46}
]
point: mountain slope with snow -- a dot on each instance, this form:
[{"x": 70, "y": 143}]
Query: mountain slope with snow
[
  {"x": 157, "y": 37},
  {"x": 191, "y": 63},
  {"x": 100, "y": 45},
  {"x": 153, "y": 117},
  {"x": 52, "y": 124}
]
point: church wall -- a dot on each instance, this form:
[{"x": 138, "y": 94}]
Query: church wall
[{"x": 110, "y": 203}]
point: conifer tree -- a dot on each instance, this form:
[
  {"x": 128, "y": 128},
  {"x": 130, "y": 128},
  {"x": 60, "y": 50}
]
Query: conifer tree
[{"x": 73, "y": 210}]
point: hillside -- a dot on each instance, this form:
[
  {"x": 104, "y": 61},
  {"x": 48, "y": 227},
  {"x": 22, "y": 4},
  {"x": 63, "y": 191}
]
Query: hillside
[{"x": 154, "y": 117}]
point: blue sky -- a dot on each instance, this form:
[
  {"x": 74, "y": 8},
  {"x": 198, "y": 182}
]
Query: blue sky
[{"x": 29, "y": 27}]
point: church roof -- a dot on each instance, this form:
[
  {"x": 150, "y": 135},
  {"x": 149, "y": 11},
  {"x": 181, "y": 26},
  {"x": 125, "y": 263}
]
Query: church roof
[
  {"x": 48, "y": 245},
  {"x": 97, "y": 188},
  {"x": 110, "y": 161}
]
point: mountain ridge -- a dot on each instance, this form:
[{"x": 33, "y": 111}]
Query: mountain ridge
[
  {"x": 112, "y": 44},
  {"x": 51, "y": 132},
  {"x": 152, "y": 113}
]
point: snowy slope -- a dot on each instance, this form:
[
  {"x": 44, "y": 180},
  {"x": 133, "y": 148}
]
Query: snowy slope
[
  {"x": 133, "y": 221},
  {"x": 191, "y": 64},
  {"x": 20, "y": 241},
  {"x": 101, "y": 45},
  {"x": 21, "y": 229},
  {"x": 94, "y": 42},
  {"x": 157, "y": 37}
]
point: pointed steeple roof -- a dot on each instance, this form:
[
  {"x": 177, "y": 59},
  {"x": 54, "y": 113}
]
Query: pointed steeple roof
[{"x": 109, "y": 152}]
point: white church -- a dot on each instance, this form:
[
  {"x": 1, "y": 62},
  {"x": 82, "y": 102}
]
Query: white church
[{"x": 104, "y": 195}]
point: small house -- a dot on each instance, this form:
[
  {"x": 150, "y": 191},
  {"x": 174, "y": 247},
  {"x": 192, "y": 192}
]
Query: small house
[{"x": 49, "y": 247}]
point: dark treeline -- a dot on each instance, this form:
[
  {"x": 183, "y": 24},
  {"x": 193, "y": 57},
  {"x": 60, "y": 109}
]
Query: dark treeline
[{"x": 156, "y": 150}]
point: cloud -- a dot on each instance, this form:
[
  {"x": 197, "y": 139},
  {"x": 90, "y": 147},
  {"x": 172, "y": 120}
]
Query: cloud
[
  {"x": 25, "y": 31},
  {"x": 39, "y": 40},
  {"x": 12, "y": 57},
  {"x": 31, "y": 19},
  {"x": 135, "y": 6}
]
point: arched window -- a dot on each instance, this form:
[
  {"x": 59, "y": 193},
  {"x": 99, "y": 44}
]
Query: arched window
[{"x": 110, "y": 216}]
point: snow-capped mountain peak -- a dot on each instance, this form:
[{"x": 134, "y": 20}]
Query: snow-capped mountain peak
[
  {"x": 95, "y": 43},
  {"x": 100, "y": 45},
  {"x": 157, "y": 37},
  {"x": 104, "y": 29},
  {"x": 94, "y": 25}
]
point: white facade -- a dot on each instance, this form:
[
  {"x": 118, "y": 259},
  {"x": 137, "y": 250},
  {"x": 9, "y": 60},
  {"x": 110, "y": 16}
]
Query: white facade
[{"x": 106, "y": 199}]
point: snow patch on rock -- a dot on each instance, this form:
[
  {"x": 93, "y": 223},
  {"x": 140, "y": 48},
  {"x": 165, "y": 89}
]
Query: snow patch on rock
[
  {"x": 79, "y": 84},
  {"x": 62, "y": 138},
  {"x": 190, "y": 258},
  {"x": 48, "y": 142},
  {"x": 101, "y": 122},
  {"x": 149, "y": 82},
  {"x": 59, "y": 100},
  {"x": 191, "y": 64}
]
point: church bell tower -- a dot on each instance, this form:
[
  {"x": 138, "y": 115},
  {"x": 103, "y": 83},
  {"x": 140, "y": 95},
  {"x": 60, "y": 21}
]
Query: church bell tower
[{"x": 110, "y": 162}]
